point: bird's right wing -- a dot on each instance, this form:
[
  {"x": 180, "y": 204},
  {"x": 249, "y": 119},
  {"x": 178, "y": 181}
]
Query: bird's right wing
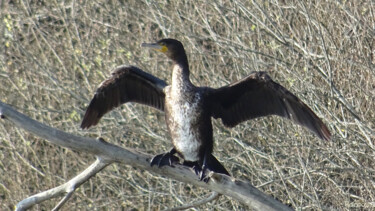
[{"x": 126, "y": 84}]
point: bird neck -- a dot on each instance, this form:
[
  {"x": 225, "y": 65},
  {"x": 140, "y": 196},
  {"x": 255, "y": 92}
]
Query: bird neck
[{"x": 180, "y": 78}]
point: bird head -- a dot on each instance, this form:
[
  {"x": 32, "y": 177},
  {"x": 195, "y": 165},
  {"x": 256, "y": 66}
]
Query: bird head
[{"x": 172, "y": 48}]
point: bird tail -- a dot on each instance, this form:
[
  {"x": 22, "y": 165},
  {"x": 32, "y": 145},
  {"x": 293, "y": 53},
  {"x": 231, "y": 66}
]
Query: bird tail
[{"x": 214, "y": 165}]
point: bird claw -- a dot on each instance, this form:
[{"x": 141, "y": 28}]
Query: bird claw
[
  {"x": 164, "y": 159},
  {"x": 199, "y": 171},
  {"x": 203, "y": 176}
]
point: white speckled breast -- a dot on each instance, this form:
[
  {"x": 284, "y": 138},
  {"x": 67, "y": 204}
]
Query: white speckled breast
[
  {"x": 183, "y": 110},
  {"x": 184, "y": 115}
]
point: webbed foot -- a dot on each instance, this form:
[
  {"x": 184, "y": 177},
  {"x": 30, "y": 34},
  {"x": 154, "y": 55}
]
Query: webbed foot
[
  {"x": 167, "y": 158},
  {"x": 195, "y": 166},
  {"x": 210, "y": 163}
]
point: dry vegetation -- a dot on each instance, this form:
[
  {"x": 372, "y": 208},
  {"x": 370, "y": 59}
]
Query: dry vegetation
[{"x": 55, "y": 53}]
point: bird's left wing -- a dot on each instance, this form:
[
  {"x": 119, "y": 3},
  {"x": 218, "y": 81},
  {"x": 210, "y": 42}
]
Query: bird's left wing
[
  {"x": 256, "y": 96},
  {"x": 126, "y": 84}
]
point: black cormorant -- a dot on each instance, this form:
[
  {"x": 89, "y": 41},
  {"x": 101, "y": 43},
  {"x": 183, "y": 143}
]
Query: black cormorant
[{"x": 188, "y": 108}]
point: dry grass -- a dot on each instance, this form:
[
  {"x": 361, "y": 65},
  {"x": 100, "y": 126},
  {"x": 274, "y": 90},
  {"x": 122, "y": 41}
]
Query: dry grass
[{"x": 54, "y": 54}]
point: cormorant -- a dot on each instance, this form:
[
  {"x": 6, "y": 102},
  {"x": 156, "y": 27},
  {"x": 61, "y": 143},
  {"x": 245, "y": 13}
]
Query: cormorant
[{"x": 188, "y": 108}]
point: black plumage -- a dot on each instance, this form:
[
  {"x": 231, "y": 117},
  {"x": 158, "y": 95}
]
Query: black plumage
[{"x": 127, "y": 84}]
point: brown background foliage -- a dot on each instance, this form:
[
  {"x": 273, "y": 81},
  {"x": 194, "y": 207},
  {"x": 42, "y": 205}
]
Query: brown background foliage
[{"x": 54, "y": 54}]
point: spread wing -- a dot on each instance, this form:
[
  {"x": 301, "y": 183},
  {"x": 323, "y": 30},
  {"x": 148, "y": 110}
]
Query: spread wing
[
  {"x": 126, "y": 84},
  {"x": 256, "y": 96}
]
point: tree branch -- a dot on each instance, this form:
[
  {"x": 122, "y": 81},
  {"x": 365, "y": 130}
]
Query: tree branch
[
  {"x": 68, "y": 188},
  {"x": 108, "y": 153}
]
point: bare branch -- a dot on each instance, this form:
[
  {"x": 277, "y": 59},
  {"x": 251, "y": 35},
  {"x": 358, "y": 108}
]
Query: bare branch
[
  {"x": 69, "y": 187},
  {"x": 108, "y": 153}
]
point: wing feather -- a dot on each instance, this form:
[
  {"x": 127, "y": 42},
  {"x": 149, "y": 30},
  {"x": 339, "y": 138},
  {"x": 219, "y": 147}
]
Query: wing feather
[
  {"x": 126, "y": 84},
  {"x": 258, "y": 95}
]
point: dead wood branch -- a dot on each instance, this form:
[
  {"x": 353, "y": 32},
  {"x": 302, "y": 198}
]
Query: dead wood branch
[
  {"x": 67, "y": 188},
  {"x": 108, "y": 153}
]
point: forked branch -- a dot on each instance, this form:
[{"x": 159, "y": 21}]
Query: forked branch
[
  {"x": 67, "y": 188},
  {"x": 107, "y": 153}
]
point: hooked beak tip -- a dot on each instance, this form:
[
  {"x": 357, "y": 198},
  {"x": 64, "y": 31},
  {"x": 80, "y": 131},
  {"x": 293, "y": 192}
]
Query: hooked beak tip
[{"x": 150, "y": 45}]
